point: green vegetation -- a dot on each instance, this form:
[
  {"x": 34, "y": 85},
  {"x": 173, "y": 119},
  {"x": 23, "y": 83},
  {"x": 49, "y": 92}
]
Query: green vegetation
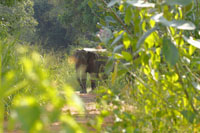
[{"x": 153, "y": 46}]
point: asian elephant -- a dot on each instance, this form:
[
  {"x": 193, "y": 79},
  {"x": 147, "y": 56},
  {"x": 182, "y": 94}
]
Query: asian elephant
[{"x": 88, "y": 61}]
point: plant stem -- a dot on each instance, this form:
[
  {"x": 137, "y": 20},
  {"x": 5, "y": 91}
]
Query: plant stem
[
  {"x": 1, "y": 96},
  {"x": 185, "y": 90},
  {"x": 1, "y": 115}
]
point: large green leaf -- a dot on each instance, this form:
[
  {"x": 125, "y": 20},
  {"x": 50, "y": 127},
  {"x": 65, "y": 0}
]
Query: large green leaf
[
  {"x": 140, "y": 3},
  {"x": 179, "y": 24},
  {"x": 170, "y": 51},
  {"x": 188, "y": 115},
  {"x": 192, "y": 42},
  {"x": 178, "y": 2},
  {"x": 128, "y": 16}
]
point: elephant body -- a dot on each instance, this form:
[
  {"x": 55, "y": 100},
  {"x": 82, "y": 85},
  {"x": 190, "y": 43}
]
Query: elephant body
[{"x": 89, "y": 61}]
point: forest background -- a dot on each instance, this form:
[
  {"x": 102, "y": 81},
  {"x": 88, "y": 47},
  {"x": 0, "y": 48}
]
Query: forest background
[{"x": 152, "y": 45}]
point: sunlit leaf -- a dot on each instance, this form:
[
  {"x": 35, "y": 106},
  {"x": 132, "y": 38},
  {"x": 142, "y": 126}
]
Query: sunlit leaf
[
  {"x": 191, "y": 49},
  {"x": 182, "y": 24},
  {"x": 127, "y": 56},
  {"x": 140, "y": 3},
  {"x": 178, "y": 2},
  {"x": 179, "y": 24},
  {"x": 194, "y": 43},
  {"x": 126, "y": 40},
  {"x": 170, "y": 51}
]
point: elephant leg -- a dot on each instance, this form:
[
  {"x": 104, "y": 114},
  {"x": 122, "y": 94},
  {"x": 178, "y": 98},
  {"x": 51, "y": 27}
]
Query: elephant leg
[
  {"x": 93, "y": 80},
  {"x": 83, "y": 82},
  {"x": 81, "y": 77},
  {"x": 93, "y": 84},
  {"x": 80, "y": 81}
]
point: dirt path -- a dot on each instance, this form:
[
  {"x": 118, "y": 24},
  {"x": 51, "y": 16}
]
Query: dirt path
[{"x": 91, "y": 111}]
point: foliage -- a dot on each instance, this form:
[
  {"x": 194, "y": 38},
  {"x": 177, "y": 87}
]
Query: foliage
[
  {"x": 18, "y": 20},
  {"x": 27, "y": 88},
  {"x": 79, "y": 18},
  {"x": 50, "y": 32},
  {"x": 152, "y": 52},
  {"x": 154, "y": 64},
  {"x": 63, "y": 23}
]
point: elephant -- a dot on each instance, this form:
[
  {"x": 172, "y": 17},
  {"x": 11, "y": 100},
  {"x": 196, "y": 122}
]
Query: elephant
[{"x": 89, "y": 61}]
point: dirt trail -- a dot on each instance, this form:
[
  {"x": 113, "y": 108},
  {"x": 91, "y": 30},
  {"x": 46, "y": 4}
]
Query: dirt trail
[
  {"x": 90, "y": 108},
  {"x": 91, "y": 111}
]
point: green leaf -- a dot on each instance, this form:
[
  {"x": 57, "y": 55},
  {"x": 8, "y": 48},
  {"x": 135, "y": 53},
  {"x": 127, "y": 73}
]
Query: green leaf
[
  {"x": 178, "y": 2},
  {"x": 144, "y": 36},
  {"x": 117, "y": 39},
  {"x": 179, "y": 24},
  {"x": 170, "y": 51},
  {"x": 117, "y": 48},
  {"x": 140, "y": 3},
  {"x": 188, "y": 115},
  {"x": 112, "y": 2},
  {"x": 109, "y": 66},
  {"x": 90, "y": 3},
  {"x": 182, "y": 24},
  {"x": 128, "y": 16},
  {"x": 126, "y": 40},
  {"x": 127, "y": 56},
  {"x": 28, "y": 112},
  {"x": 192, "y": 42}
]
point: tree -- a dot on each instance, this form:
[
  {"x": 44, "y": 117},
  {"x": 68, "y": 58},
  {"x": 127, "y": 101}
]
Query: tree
[{"x": 18, "y": 20}]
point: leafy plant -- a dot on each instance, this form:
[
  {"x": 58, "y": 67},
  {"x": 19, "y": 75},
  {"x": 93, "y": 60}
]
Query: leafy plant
[{"x": 153, "y": 51}]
